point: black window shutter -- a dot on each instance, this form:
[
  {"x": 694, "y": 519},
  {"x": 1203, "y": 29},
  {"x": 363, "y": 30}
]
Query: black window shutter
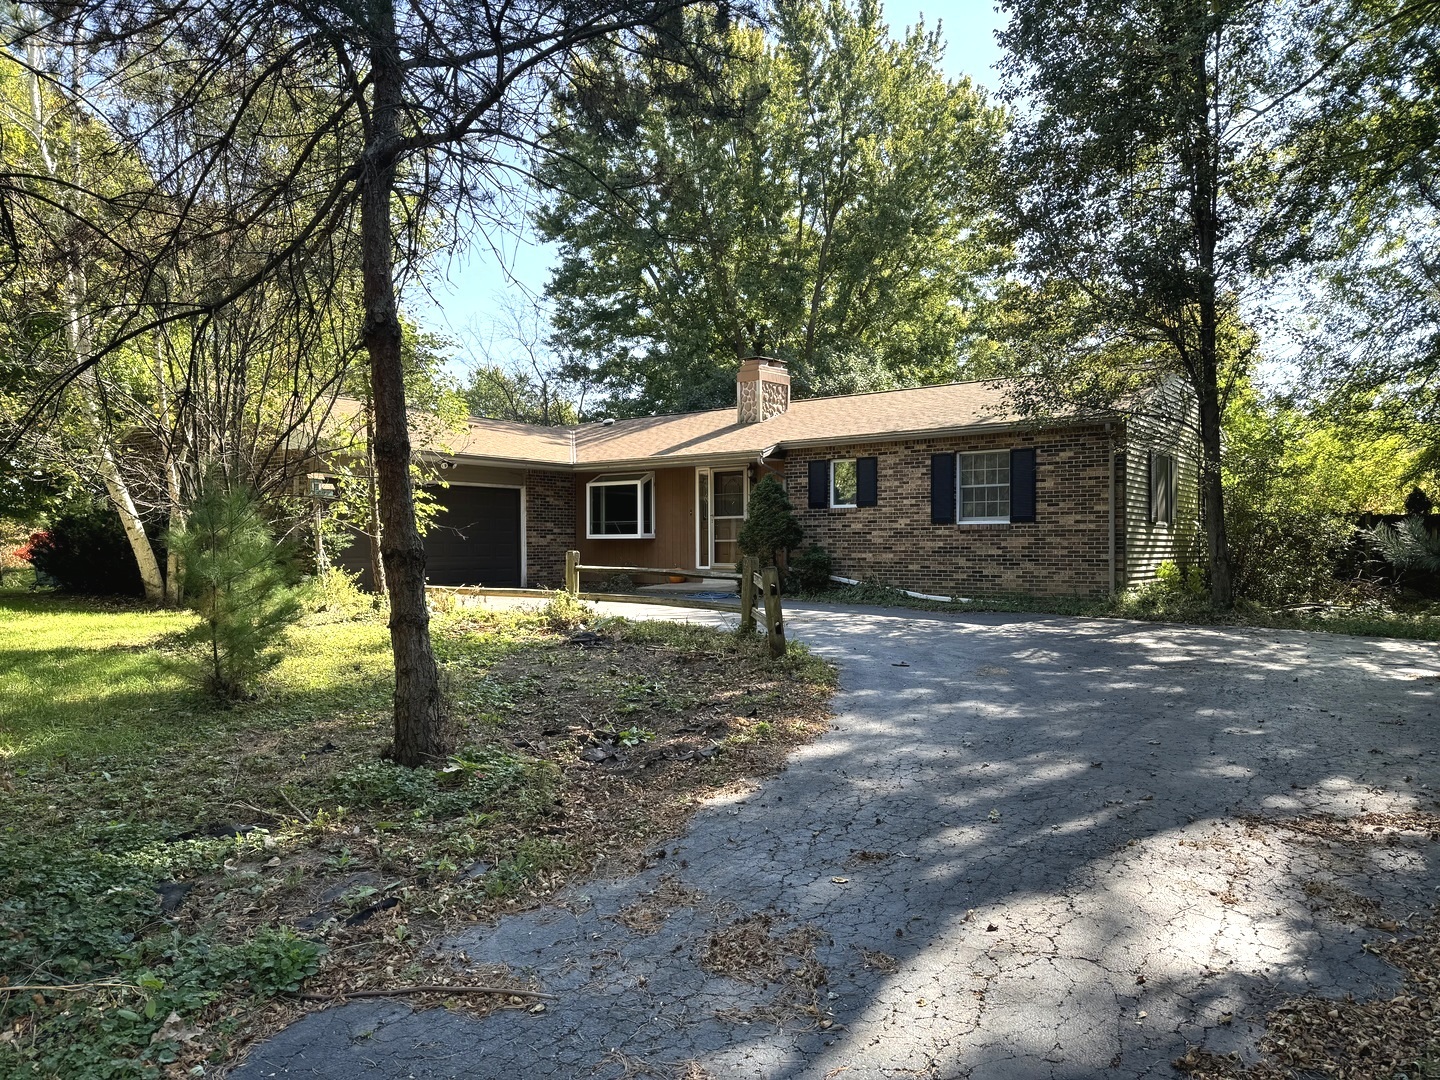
[
  {"x": 1022, "y": 485},
  {"x": 1150, "y": 483},
  {"x": 942, "y": 489},
  {"x": 867, "y": 481},
  {"x": 819, "y": 485}
]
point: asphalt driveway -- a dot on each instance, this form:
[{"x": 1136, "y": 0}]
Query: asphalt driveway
[{"x": 1019, "y": 853}]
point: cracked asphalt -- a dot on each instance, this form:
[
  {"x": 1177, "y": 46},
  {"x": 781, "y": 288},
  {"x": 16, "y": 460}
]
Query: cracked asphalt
[{"x": 1053, "y": 857}]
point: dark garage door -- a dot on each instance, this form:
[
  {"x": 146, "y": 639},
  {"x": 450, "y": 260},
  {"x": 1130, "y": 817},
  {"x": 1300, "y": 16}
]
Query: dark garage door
[{"x": 474, "y": 539}]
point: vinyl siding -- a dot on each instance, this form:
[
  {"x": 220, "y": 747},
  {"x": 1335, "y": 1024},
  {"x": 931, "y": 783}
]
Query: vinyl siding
[{"x": 1169, "y": 423}]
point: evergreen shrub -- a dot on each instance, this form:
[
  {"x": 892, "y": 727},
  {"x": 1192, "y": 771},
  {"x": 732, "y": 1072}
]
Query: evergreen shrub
[
  {"x": 771, "y": 528},
  {"x": 85, "y": 550}
]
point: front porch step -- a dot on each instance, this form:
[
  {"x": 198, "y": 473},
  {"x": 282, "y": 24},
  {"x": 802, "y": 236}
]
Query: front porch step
[{"x": 704, "y": 585}]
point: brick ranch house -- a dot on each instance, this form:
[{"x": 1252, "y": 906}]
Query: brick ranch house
[{"x": 938, "y": 489}]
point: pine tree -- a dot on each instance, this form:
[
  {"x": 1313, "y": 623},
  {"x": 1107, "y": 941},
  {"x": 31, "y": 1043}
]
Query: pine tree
[{"x": 236, "y": 579}]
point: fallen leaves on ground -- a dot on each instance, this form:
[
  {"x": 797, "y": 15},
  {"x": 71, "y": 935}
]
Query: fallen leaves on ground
[{"x": 1347, "y": 1039}]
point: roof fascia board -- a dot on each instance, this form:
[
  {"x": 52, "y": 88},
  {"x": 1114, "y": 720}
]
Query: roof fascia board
[
  {"x": 506, "y": 462},
  {"x": 744, "y": 457}
]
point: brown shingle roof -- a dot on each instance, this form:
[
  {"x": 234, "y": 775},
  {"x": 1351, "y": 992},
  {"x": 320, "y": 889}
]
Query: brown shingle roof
[
  {"x": 514, "y": 442},
  {"x": 715, "y": 434}
]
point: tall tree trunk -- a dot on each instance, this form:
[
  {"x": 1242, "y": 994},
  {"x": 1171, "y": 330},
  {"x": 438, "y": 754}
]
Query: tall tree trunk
[
  {"x": 377, "y": 563},
  {"x": 422, "y": 735},
  {"x": 1205, "y": 216},
  {"x": 124, "y": 504},
  {"x": 174, "y": 562},
  {"x": 1212, "y": 491},
  {"x": 109, "y": 469}
]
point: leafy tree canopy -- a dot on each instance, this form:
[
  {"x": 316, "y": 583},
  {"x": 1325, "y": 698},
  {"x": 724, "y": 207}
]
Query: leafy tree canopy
[
  {"x": 820, "y": 193},
  {"x": 1150, "y": 200}
]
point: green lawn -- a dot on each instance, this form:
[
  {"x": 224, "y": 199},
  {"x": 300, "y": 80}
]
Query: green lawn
[
  {"x": 83, "y": 681},
  {"x": 165, "y": 857}
]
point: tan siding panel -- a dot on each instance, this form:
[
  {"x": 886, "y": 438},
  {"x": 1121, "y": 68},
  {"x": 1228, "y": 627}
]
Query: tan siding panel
[{"x": 479, "y": 474}]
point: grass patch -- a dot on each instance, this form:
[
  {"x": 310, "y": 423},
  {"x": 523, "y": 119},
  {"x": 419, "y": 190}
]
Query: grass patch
[{"x": 175, "y": 869}]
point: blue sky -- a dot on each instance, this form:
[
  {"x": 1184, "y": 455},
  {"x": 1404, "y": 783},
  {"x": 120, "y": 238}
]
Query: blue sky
[{"x": 467, "y": 289}]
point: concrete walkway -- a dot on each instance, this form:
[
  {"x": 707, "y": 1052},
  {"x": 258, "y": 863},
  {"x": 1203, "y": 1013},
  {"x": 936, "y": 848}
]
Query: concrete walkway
[{"x": 1035, "y": 819}]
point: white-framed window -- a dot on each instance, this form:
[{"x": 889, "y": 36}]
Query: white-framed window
[
  {"x": 1162, "y": 488},
  {"x": 620, "y": 506},
  {"x": 983, "y": 483},
  {"x": 844, "y": 483}
]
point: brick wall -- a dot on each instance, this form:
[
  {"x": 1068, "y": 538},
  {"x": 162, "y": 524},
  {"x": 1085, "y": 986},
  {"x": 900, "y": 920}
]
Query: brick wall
[
  {"x": 549, "y": 527},
  {"x": 1064, "y": 553}
]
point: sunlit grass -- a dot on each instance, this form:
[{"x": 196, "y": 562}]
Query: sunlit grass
[
  {"x": 120, "y": 782},
  {"x": 80, "y": 681}
]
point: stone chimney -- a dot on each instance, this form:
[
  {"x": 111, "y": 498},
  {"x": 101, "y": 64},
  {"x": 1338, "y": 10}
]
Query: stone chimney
[{"x": 762, "y": 389}]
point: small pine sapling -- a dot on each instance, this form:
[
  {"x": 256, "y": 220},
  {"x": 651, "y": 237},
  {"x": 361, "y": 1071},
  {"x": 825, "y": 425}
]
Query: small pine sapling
[
  {"x": 238, "y": 580},
  {"x": 771, "y": 528}
]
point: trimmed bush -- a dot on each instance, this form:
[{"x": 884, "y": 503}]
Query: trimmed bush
[
  {"x": 771, "y": 528},
  {"x": 85, "y": 551},
  {"x": 810, "y": 570}
]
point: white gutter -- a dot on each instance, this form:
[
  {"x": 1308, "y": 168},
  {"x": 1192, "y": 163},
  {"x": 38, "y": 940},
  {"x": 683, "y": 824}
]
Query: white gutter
[{"x": 907, "y": 592}]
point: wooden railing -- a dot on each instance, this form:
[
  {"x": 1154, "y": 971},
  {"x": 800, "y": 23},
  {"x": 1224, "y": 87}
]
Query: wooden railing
[{"x": 758, "y": 588}]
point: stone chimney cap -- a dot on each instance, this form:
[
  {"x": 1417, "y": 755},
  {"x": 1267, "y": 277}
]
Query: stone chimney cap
[{"x": 762, "y": 389}]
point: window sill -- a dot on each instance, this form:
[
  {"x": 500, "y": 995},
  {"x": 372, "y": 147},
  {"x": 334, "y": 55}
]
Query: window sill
[
  {"x": 983, "y": 521},
  {"x": 619, "y": 536},
  {"x": 844, "y": 506}
]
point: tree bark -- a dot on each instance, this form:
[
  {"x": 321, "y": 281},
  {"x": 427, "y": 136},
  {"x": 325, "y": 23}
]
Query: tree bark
[
  {"x": 174, "y": 563},
  {"x": 1205, "y": 216},
  {"x": 372, "y": 526},
  {"x": 422, "y": 735},
  {"x": 124, "y": 504}
]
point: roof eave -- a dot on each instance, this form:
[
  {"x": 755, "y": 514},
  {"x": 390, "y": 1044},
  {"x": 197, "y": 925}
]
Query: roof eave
[
  {"x": 944, "y": 432},
  {"x": 742, "y": 457},
  {"x": 491, "y": 462}
]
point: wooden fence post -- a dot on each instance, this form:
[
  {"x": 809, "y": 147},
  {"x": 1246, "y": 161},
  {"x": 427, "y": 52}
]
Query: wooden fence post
[
  {"x": 774, "y": 621},
  {"x": 572, "y": 572},
  {"x": 747, "y": 594}
]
